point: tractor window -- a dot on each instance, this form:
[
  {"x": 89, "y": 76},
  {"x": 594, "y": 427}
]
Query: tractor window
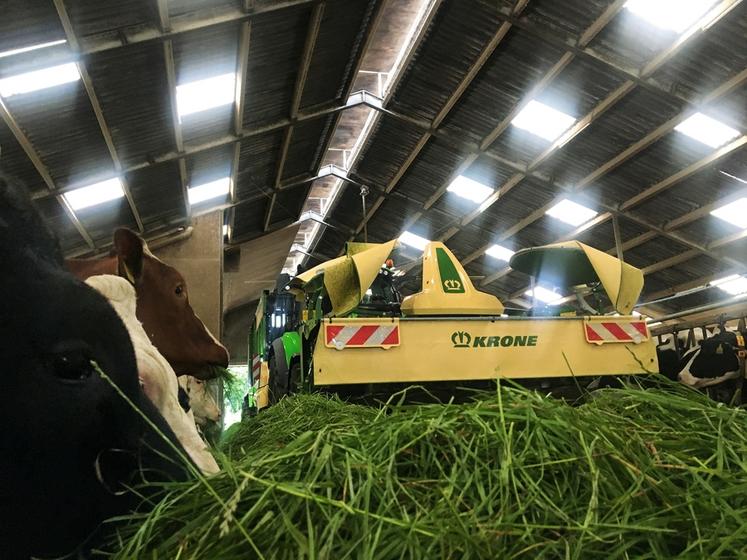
[
  {"x": 381, "y": 291},
  {"x": 382, "y": 298}
]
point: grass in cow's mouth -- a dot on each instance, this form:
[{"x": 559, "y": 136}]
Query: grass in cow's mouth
[
  {"x": 217, "y": 372},
  {"x": 631, "y": 473}
]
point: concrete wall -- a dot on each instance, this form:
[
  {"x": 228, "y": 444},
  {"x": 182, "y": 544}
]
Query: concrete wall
[
  {"x": 256, "y": 267},
  {"x": 200, "y": 260},
  {"x": 236, "y": 325}
]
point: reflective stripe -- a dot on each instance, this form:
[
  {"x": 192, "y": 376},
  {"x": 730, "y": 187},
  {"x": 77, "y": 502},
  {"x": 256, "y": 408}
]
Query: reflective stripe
[
  {"x": 600, "y": 332},
  {"x": 361, "y": 336},
  {"x": 256, "y": 367}
]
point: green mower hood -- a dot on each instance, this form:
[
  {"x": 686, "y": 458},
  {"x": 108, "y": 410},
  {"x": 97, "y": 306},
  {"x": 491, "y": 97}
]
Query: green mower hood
[{"x": 571, "y": 263}]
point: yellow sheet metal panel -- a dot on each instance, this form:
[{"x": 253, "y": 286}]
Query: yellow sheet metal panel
[
  {"x": 447, "y": 289},
  {"x": 577, "y": 263},
  {"x": 262, "y": 390},
  {"x": 443, "y": 350},
  {"x": 347, "y": 278}
]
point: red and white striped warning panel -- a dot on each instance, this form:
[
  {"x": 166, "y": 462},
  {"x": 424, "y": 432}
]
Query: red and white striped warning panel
[
  {"x": 361, "y": 335},
  {"x": 603, "y": 332},
  {"x": 256, "y": 367}
]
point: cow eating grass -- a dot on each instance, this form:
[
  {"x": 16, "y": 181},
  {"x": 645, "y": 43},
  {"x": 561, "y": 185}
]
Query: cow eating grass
[
  {"x": 162, "y": 304},
  {"x": 158, "y": 380},
  {"x": 201, "y": 402},
  {"x": 71, "y": 444}
]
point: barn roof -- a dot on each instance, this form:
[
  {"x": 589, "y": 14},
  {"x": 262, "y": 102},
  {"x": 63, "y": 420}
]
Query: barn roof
[{"x": 400, "y": 97}]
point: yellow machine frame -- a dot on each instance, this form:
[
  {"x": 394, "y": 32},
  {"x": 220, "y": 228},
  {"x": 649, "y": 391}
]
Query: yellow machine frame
[
  {"x": 448, "y": 349},
  {"x": 451, "y": 331}
]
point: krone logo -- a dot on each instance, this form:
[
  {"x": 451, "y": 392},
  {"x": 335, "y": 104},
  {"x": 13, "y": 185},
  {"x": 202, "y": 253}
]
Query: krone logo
[
  {"x": 452, "y": 285},
  {"x": 461, "y": 339}
]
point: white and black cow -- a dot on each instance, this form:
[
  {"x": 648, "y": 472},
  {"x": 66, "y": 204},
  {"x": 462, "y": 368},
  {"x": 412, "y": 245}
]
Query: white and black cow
[
  {"x": 200, "y": 400},
  {"x": 713, "y": 365},
  {"x": 669, "y": 359},
  {"x": 70, "y": 443}
]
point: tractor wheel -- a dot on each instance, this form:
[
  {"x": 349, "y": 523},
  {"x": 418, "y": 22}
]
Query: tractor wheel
[{"x": 294, "y": 379}]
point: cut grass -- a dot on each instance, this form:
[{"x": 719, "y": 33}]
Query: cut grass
[{"x": 632, "y": 473}]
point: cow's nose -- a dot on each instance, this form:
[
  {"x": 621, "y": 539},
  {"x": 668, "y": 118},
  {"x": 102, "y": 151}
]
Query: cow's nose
[{"x": 222, "y": 357}]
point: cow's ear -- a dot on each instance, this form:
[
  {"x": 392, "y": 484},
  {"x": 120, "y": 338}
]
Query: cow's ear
[{"x": 129, "y": 248}]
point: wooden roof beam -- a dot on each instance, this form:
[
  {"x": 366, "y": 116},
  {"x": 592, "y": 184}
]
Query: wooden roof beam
[
  {"x": 36, "y": 161},
  {"x": 456, "y": 95},
  {"x": 96, "y": 106},
  {"x": 312, "y": 34},
  {"x": 210, "y": 17},
  {"x": 168, "y": 57}
]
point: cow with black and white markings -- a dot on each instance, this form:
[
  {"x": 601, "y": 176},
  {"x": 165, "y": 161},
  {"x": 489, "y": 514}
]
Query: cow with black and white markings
[
  {"x": 716, "y": 365},
  {"x": 71, "y": 442}
]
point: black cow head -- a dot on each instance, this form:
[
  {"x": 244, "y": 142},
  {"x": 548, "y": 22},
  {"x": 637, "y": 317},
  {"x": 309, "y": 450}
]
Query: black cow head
[
  {"x": 717, "y": 356},
  {"x": 715, "y": 366},
  {"x": 70, "y": 442}
]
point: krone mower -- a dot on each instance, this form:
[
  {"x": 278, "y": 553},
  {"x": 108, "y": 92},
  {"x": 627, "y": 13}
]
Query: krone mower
[{"x": 355, "y": 332}]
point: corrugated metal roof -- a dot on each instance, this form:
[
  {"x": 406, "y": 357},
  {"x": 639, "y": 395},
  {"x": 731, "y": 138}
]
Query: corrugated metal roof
[
  {"x": 141, "y": 124},
  {"x": 158, "y": 195},
  {"x": 26, "y": 22},
  {"x": 588, "y": 81},
  {"x": 446, "y": 73},
  {"x": 275, "y": 49},
  {"x": 61, "y": 125},
  {"x": 99, "y": 16},
  {"x": 257, "y": 163}
]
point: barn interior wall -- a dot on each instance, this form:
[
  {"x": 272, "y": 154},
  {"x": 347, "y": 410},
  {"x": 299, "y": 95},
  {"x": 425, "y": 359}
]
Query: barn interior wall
[
  {"x": 199, "y": 259},
  {"x": 236, "y": 325},
  {"x": 256, "y": 267}
]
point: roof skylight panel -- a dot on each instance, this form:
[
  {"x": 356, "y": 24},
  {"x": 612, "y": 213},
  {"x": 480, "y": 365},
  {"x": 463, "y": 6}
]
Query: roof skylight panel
[
  {"x": 735, "y": 213},
  {"x": 733, "y": 285},
  {"x": 95, "y": 194},
  {"x": 499, "y": 252},
  {"x": 201, "y": 95},
  {"x": 543, "y": 121},
  {"x": 470, "y": 189},
  {"x": 413, "y": 240},
  {"x": 707, "y": 130},
  {"x": 21, "y": 50},
  {"x": 675, "y": 15},
  {"x": 544, "y": 295},
  {"x": 39, "y": 79},
  {"x": 571, "y": 212},
  {"x": 208, "y": 191}
]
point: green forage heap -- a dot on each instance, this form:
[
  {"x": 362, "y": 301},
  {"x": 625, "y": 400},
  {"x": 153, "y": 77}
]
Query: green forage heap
[{"x": 632, "y": 473}]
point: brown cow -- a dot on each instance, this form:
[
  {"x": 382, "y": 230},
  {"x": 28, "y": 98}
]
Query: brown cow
[{"x": 162, "y": 304}]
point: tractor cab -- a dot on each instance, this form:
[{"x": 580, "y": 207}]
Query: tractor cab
[{"x": 382, "y": 298}]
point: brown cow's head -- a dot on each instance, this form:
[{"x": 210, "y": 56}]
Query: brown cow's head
[{"x": 164, "y": 310}]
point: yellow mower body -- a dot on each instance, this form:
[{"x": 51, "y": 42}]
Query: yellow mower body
[
  {"x": 458, "y": 348},
  {"x": 451, "y": 331}
]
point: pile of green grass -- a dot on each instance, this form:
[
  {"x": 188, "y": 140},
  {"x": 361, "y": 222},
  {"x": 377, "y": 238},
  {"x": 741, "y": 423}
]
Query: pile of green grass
[{"x": 632, "y": 473}]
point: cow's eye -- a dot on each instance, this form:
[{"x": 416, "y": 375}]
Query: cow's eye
[
  {"x": 72, "y": 365},
  {"x": 179, "y": 290}
]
